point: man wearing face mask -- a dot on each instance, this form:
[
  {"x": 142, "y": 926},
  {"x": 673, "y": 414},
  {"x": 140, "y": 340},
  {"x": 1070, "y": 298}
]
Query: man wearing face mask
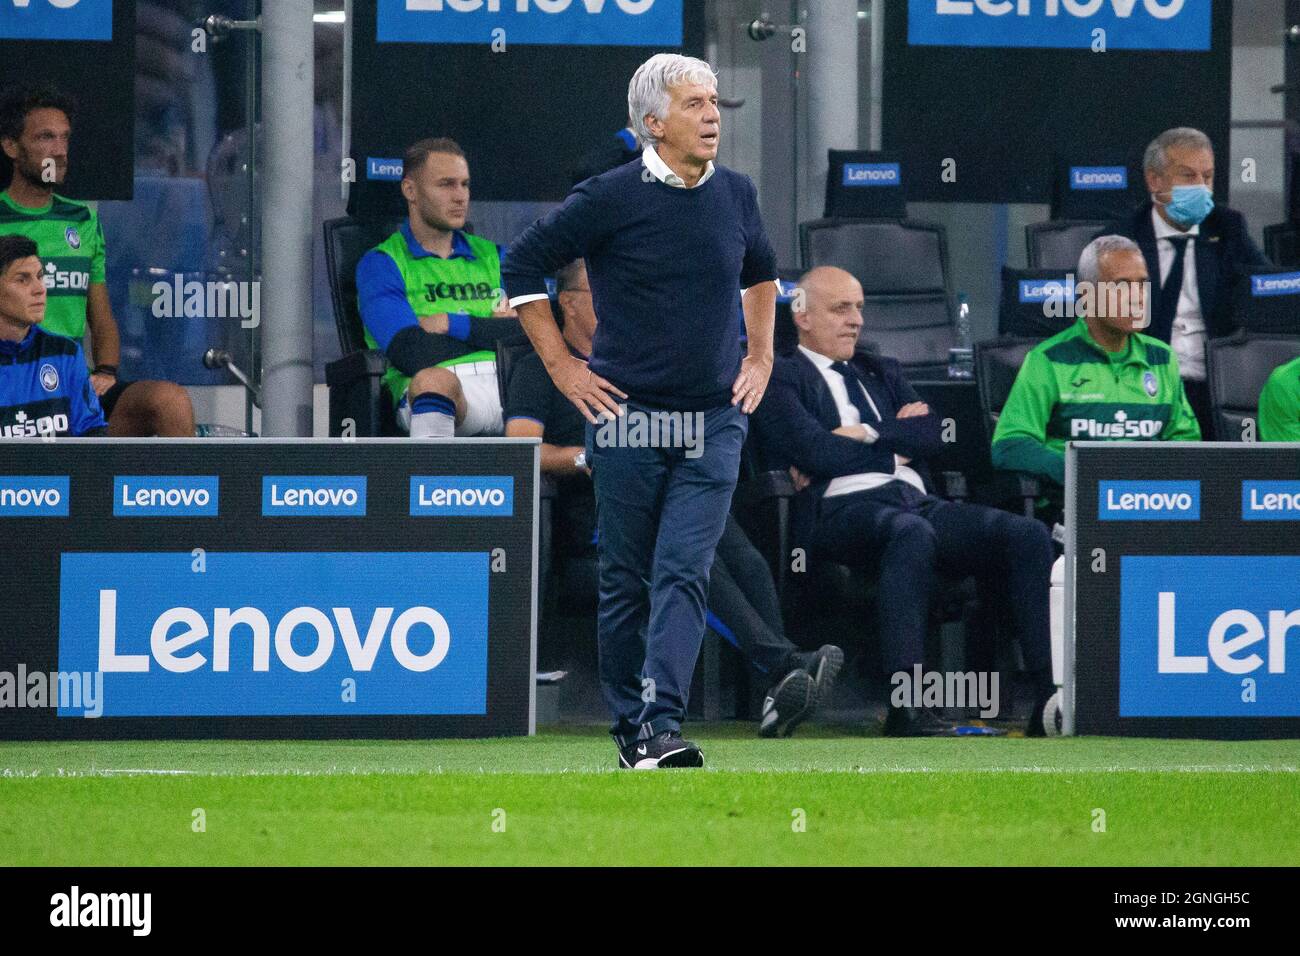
[{"x": 1196, "y": 251}]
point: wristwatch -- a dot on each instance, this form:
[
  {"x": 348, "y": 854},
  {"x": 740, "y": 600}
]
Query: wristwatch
[{"x": 580, "y": 460}]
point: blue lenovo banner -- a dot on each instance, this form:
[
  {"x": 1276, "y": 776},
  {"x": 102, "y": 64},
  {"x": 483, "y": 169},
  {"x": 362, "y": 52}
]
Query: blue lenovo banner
[
  {"x": 56, "y": 19},
  {"x": 314, "y": 496},
  {"x": 165, "y": 496},
  {"x": 1098, "y": 177},
  {"x": 873, "y": 174},
  {"x": 555, "y": 22},
  {"x": 1149, "y": 501},
  {"x": 455, "y": 495},
  {"x": 1063, "y": 24},
  {"x": 1287, "y": 283},
  {"x": 1209, "y": 636},
  {"x": 265, "y": 634},
  {"x": 34, "y": 496}
]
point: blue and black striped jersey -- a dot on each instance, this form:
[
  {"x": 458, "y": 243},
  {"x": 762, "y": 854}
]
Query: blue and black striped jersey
[{"x": 45, "y": 388}]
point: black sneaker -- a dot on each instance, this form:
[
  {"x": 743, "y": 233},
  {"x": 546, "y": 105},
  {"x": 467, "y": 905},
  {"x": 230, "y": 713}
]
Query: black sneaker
[
  {"x": 791, "y": 700},
  {"x": 660, "y": 752},
  {"x": 824, "y": 665},
  {"x": 917, "y": 722}
]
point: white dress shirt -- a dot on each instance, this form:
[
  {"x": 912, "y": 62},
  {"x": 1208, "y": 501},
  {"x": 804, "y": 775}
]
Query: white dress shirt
[
  {"x": 1187, "y": 337},
  {"x": 868, "y": 480}
]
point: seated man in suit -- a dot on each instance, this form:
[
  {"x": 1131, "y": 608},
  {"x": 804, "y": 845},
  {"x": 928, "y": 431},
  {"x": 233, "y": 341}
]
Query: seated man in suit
[
  {"x": 430, "y": 298},
  {"x": 1096, "y": 381},
  {"x": 1196, "y": 252},
  {"x": 857, "y": 430},
  {"x": 743, "y": 604},
  {"x": 1279, "y": 404}
]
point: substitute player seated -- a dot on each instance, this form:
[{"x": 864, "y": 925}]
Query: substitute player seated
[
  {"x": 431, "y": 301},
  {"x": 1279, "y": 404},
  {"x": 45, "y": 386},
  {"x": 1099, "y": 380}
]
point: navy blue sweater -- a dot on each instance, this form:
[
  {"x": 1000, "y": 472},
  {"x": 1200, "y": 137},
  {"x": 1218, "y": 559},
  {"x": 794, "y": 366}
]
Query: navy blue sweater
[{"x": 666, "y": 267}]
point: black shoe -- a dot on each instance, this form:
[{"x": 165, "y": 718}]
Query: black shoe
[
  {"x": 917, "y": 722},
  {"x": 791, "y": 700},
  {"x": 660, "y": 752},
  {"x": 824, "y": 665}
]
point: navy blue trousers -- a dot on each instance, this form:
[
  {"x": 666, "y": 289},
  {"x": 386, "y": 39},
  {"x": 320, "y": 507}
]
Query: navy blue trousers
[
  {"x": 911, "y": 537},
  {"x": 659, "y": 515}
]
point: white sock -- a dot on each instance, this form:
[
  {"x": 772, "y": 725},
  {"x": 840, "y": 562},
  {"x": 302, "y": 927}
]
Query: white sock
[{"x": 433, "y": 416}]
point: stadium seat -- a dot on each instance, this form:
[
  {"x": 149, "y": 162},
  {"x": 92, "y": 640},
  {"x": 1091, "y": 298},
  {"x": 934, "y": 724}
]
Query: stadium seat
[
  {"x": 355, "y": 387},
  {"x": 846, "y": 199},
  {"x": 1282, "y": 244},
  {"x": 996, "y": 365},
  {"x": 1058, "y": 244},
  {"x": 1267, "y": 301},
  {"x": 1022, "y": 311},
  {"x": 1072, "y": 199},
  {"x": 903, "y": 267},
  {"x": 1237, "y": 367}
]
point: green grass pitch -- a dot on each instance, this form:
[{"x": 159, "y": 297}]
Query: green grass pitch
[{"x": 827, "y": 796}]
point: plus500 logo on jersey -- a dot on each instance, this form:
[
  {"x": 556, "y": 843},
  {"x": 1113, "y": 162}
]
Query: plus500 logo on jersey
[
  {"x": 1063, "y": 24},
  {"x": 1149, "y": 501},
  {"x": 588, "y": 22},
  {"x": 56, "y": 19},
  {"x": 457, "y": 495},
  {"x": 1209, "y": 637},
  {"x": 278, "y": 634},
  {"x": 165, "y": 496}
]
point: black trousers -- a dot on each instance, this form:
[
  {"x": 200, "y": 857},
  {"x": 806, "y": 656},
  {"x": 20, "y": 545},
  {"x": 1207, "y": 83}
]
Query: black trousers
[
  {"x": 1198, "y": 396},
  {"x": 743, "y": 604},
  {"x": 913, "y": 537}
]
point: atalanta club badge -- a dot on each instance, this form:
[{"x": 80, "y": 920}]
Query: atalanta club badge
[
  {"x": 73, "y": 237},
  {"x": 1150, "y": 384}
]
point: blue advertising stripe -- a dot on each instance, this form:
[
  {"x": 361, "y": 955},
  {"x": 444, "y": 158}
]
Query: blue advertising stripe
[
  {"x": 277, "y": 634},
  {"x": 165, "y": 496},
  {"x": 872, "y": 174},
  {"x": 1061, "y": 24},
  {"x": 1270, "y": 500},
  {"x": 1209, "y": 636},
  {"x": 571, "y": 23},
  {"x": 1149, "y": 501},
  {"x": 1284, "y": 283},
  {"x": 1098, "y": 177},
  {"x": 45, "y": 20},
  {"x": 462, "y": 495},
  {"x": 314, "y": 495},
  {"x": 34, "y": 496}
]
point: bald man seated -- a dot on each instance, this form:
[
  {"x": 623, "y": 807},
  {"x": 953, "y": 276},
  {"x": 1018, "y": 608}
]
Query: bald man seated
[{"x": 856, "y": 437}]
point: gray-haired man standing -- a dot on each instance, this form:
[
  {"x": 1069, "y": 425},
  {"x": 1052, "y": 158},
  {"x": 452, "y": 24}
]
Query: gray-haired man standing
[{"x": 670, "y": 241}]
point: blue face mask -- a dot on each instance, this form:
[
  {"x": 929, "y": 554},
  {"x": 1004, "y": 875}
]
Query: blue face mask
[{"x": 1189, "y": 205}]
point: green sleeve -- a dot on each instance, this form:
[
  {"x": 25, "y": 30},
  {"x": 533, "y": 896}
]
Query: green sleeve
[
  {"x": 1020, "y": 440},
  {"x": 97, "y": 254},
  {"x": 1279, "y": 405},
  {"x": 1183, "y": 425}
]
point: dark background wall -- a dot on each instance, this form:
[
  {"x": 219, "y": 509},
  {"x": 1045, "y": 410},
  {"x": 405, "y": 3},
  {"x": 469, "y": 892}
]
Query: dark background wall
[
  {"x": 1003, "y": 113},
  {"x": 100, "y": 77}
]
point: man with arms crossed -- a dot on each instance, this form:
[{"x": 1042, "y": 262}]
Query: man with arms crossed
[{"x": 670, "y": 240}]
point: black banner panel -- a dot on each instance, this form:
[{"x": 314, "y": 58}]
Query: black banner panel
[
  {"x": 983, "y": 99},
  {"x": 258, "y": 589},
  {"x": 527, "y": 89},
  {"x": 1187, "y": 589},
  {"x": 86, "y": 50}
]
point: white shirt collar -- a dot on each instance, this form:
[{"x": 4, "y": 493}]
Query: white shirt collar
[
  {"x": 823, "y": 362},
  {"x": 660, "y": 170},
  {"x": 1166, "y": 231}
]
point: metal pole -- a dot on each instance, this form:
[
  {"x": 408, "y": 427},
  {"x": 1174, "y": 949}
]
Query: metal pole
[
  {"x": 832, "y": 64},
  {"x": 288, "y": 81},
  {"x": 877, "y": 73}
]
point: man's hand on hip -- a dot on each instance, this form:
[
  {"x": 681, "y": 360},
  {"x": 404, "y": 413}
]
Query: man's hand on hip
[
  {"x": 751, "y": 383},
  {"x": 590, "y": 393}
]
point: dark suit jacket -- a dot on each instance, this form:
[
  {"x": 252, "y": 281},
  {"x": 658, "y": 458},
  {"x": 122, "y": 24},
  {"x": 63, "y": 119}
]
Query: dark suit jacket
[
  {"x": 798, "y": 414},
  {"x": 1225, "y": 254}
]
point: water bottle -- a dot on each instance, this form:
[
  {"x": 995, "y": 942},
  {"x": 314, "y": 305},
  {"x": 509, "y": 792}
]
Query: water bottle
[{"x": 961, "y": 357}]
